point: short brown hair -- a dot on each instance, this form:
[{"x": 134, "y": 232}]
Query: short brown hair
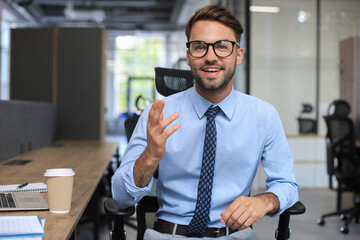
[{"x": 215, "y": 13}]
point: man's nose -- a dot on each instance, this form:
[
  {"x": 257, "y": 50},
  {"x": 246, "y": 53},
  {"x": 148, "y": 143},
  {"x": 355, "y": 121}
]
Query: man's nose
[{"x": 210, "y": 55}]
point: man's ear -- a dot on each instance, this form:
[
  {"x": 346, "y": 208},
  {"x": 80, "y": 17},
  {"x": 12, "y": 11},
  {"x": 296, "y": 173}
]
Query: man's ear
[{"x": 239, "y": 56}]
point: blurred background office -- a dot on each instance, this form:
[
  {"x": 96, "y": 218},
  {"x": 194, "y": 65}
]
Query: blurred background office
[{"x": 295, "y": 55}]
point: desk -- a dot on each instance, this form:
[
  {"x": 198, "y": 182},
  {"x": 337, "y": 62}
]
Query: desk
[{"x": 89, "y": 159}]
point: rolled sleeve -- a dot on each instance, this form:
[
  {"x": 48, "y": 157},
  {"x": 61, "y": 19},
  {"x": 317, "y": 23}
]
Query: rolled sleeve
[
  {"x": 124, "y": 190},
  {"x": 287, "y": 195}
]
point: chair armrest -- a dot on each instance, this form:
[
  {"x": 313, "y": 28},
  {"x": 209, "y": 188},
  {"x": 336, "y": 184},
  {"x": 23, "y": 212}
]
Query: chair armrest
[
  {"x": 113, "y": 210},
  {"x": 296, "y": 209},
  {"x": 283, "y": 232}
]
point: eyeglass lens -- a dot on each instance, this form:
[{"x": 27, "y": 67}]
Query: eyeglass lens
[{"x": 221, "y": 48}]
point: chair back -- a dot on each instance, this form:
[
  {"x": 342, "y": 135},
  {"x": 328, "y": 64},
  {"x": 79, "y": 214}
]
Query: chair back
[
  {"x": 339, "y": 108},
  {"x": 306, "y": 125},
  {"x": 130, "y": 124},
  {"x": 170, "y": 81},
  {"x": 340, "y": 141}
]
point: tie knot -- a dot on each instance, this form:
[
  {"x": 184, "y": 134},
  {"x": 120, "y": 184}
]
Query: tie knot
[{"x": 212, "y": 111}]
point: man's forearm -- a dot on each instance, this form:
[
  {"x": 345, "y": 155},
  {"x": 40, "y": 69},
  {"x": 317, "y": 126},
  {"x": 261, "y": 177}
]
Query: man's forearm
[
  {"x": 271, "y": 202},
  {"x": 144, "y": 169}
]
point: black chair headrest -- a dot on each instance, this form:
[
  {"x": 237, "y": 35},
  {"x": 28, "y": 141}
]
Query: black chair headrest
[
  {"x": 306, "y": 108},
  {"x": 169, "y": 81},
  {"x": 339, "y": 108}
]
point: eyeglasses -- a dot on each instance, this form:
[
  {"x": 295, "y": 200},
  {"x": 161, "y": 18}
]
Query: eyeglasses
[{"x": 222, "y": 48}]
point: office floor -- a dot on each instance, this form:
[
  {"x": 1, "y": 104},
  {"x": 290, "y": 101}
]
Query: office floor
[{"x": 303, "y": 226}]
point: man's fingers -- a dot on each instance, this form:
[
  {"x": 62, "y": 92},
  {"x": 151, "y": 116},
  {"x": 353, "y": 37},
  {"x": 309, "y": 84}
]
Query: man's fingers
[
  {"x": 244, "y": 221},
  {"x": 167, "y": 121},
  {"x": 243, "y": 212},
  {"x": 156, "y": 123},
  {"x": 171, "y": 130},
  {"x": 240, "y": 220},
  {"x": 230, "y": 210},
  {"x": 235, "y": 217},
  {"x": 155, "y": 113}
]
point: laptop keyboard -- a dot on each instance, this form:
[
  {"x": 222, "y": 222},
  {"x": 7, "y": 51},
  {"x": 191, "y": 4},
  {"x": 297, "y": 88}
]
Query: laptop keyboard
[{"x": 7, "y": 200}]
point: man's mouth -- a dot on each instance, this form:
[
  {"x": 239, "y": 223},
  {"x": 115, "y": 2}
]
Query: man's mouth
[{"x": 211, "y": 70}]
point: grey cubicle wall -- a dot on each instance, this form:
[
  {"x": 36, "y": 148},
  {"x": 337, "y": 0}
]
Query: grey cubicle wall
[
  {"x": 65, "y": 66},
  {"x": 80, "y": 90},
  {"x": 24, "y": 126},
  {"x": 32, "y": 64}
]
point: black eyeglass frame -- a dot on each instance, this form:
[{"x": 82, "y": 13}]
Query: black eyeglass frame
[{"x": 212, "y": 44}]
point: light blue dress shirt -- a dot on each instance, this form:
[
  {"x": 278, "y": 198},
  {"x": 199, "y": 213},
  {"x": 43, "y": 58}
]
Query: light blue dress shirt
[{"x": 249, "y": 131}]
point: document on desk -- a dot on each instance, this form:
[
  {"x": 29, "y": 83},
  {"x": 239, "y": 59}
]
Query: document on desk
[
  {"x": 28, "y": 187},
  {"x": 20, "y": 227}
]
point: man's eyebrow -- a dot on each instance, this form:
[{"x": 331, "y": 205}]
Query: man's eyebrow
[{"x": 214, "y": 41}]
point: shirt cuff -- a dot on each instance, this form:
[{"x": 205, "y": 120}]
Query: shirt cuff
[
  {"x": 285, "y": 200},
  {"x": 136, "y": 192}
]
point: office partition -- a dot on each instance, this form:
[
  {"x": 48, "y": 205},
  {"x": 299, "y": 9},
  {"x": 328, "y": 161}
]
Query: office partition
[
  {"x": 25, "y": 125},
  {"x": 65, "y": 66}
]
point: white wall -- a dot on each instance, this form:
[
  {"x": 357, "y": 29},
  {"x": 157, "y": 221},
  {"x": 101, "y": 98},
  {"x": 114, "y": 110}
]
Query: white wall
[{"x": 309, "y": 154}]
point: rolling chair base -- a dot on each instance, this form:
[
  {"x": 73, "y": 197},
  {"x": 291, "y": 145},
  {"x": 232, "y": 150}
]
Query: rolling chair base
[{"x": 347, "y": 215}]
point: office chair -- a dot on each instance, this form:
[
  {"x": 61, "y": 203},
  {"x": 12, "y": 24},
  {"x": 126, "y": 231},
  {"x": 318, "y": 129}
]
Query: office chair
[
  {"x": 343, "y": 161},
  {"x": 170, "y": 81},
  {"x": 130, "y": 124},
  {"x": 306, "y": 125}
]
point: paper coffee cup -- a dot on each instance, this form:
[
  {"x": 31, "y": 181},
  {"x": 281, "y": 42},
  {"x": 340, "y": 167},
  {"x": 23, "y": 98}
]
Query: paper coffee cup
[{"x": 60, "y": 185}]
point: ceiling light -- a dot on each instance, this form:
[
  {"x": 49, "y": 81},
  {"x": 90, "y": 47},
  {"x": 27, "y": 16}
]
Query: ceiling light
[
  {"x": 73, "y": 14},
  {"x": 264, "y": 9},
  {"x": 303, "y": 16}
]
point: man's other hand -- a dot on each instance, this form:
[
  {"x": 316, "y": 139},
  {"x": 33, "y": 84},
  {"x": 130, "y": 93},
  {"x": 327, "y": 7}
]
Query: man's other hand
[{"x": 244, "y": 211}]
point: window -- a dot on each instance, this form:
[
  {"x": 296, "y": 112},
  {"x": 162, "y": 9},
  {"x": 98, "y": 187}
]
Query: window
[{"x": 133, "y": 71}]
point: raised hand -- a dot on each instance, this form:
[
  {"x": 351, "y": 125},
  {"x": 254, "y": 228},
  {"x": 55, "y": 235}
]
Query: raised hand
[{"x": 157, "y": 136}]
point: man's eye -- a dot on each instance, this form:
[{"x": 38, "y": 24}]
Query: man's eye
[
  {"x": 199, "y": 47},
  {"x": 222, "y": 46}
]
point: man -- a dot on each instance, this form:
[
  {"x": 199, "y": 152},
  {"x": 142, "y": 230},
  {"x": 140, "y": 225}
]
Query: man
[{"x": 207, "y": 143}]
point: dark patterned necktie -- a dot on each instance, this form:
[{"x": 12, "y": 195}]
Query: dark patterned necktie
[{"x": 201, "y": 218}]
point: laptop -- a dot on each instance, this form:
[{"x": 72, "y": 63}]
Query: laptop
[{"x": 17, "y": 201}]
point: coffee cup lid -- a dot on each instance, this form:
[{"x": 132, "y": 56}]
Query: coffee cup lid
[{"x": 55, "y": 172}]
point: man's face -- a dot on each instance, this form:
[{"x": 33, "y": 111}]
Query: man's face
[{"x": 213, "y": 73}]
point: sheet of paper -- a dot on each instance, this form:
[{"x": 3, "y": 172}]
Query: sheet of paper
[
  {"x": 20, "y": 225},
  {"x": 31, "y": 187}
]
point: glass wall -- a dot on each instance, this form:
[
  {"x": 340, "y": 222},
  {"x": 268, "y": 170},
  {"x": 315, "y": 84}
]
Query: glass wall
[
  {"x": 340, "y": 20},
  {"x": 283, "y": 56}
]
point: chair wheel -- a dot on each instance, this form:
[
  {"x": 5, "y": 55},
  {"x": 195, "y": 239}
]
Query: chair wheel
[
  {"x": 320, "y": 222},
  {"x": 344, "y": 230},
  {"x": 343, "y": 217}
]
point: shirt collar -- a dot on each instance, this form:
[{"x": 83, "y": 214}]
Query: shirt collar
[{"x": 201, "y": 105}]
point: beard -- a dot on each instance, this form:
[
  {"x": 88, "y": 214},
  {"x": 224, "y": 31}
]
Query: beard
[{"x": 212, "y": 84}]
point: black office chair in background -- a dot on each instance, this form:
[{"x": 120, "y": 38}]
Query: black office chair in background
[
  {"x": 170, "y": 81},
  {"x": 343, "y": 161},
  {"x": 306, "y": 125}
]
